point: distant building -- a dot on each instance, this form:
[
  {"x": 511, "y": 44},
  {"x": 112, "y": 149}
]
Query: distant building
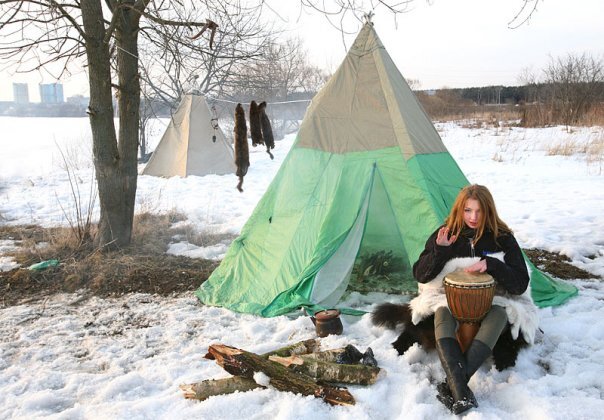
[
  {"x": 51, "y": 93},
  {"x": 20, "y": 93}
]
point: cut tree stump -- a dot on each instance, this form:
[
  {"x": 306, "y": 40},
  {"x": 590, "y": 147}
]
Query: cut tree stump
[
  {"x": 242, "y": 363},
  {"x": 328, "y": 371}
]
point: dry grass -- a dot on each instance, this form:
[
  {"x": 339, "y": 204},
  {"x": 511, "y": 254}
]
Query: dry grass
[
  {"x": 594, "y": 153},
  {"x": 543, "y": 115},
  {"x": 593, "y": 149},
  {"x": 143, "y": 267},
  {"x": 566, "y": 147}
]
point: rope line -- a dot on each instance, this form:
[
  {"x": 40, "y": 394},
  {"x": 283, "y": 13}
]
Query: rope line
[{"x": 272, "y": 103}]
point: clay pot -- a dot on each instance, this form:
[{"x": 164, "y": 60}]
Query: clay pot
[{"x": 327, "y": 322}]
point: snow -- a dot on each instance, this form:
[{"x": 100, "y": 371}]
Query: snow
[{"x": 74, "y": 358}]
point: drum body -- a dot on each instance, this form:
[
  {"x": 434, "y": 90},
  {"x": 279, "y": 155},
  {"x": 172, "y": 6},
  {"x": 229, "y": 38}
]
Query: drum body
[{"x": 469, "y": 296}]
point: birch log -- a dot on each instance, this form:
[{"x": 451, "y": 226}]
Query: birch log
[
  {"x": 212, "y": 387},
  {"x": 328, "y": 371},
  {"x": 242, "y": 363}
]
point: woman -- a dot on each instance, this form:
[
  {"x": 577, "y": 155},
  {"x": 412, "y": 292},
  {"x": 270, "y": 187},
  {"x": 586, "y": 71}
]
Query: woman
[{"x": 476, "y": 239}]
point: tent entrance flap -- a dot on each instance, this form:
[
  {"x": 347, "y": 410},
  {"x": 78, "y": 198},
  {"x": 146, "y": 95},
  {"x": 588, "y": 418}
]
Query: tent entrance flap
[
  {"x": 331, "y": 281},
  {"x": 382, "y": 264}
]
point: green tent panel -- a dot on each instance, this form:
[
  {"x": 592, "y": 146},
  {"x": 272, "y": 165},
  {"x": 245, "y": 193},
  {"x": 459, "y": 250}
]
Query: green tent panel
[{"x": 367, "y": 180}]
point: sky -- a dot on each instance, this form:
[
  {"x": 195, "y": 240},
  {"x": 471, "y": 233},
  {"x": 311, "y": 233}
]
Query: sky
[
  {"x": 69, "y": 357},
  {"x": 465, "y": 43},
  {"x": 461, "y": 43}
]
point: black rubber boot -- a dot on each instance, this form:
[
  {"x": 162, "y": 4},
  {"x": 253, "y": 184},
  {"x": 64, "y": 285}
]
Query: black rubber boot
[
  {"x": 454, "y": 364},
  {"x": 476, "y": 354},
  {"x": 444, "y": 395}
]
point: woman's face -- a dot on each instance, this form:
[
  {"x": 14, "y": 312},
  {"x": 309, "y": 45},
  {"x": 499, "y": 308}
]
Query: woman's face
[{"x": 472, "y": 213}]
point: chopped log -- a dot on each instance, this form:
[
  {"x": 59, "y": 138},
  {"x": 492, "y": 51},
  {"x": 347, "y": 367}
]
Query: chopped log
[
  {"x": 242, "y": 363},
  {"x": 325, "y": 356},
  {"x": 212, "y": 387},
  {"x": 309, "y": 348},
  {"x": 301, "y": 347},
  {"x": 328, "y": 371}
]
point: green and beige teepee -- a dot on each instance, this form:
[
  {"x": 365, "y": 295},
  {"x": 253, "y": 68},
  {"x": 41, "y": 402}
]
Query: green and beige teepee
[{"x": 367, "y": 180}]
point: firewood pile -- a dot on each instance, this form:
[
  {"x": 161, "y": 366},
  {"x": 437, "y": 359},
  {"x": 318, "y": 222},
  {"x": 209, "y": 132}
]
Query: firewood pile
[{"x": 300, "y": 368}]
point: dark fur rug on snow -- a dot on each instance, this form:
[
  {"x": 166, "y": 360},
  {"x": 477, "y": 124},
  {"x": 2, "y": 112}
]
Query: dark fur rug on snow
[{"x": 392, "y": 316}]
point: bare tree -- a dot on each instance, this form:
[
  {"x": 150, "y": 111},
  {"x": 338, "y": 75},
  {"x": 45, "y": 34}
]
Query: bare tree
[
  {"x": 343, "y": 14},
  {"x": 524, "y": 14},
  {"x": 169, "y": 69},
  {"x": 282, "y": 76},
  {"x": 414, "y": 84},
  {"x": 103, "y": 36},
  {"x": 575, "y": 84}
]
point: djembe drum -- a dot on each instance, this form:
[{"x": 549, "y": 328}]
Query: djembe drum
[{"x": 469, "y": 296}]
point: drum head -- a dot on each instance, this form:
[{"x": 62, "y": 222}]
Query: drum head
[{"x": 465, "y": 279}]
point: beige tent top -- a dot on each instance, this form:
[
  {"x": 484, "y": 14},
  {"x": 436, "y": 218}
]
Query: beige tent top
[
  {"x": 339, "y": 119},
  {"x": 187, "y": 147}
]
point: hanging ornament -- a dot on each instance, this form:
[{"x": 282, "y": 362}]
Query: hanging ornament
[{"x": 214, "y": 123}]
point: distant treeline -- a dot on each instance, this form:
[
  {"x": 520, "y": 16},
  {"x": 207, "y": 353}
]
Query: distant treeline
[
  {"x": 535, "y": 104},
  {"x": 496, "y": 95}
]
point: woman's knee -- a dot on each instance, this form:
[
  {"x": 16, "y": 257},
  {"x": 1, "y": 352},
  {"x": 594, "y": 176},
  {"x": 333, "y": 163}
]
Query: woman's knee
[
  {"x": 492, "y": 326},
  {"x": 497, "y": 315},
  {"x": 444, "y": 323}
]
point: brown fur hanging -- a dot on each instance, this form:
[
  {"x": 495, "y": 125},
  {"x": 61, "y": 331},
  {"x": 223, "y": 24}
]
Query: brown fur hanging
[
  {"x": 242, "y": 151},
  {"x": 267, "y": 130},
  {"x": 255, "y": 130}
]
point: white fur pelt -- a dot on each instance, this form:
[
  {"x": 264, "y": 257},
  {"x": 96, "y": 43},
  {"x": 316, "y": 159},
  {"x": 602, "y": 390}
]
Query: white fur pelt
[{"x": 521, "y": 310}]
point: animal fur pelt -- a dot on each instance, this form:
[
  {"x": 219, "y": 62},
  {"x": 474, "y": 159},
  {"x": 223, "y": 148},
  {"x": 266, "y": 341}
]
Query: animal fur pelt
[
  {"x": 242, "y": 151},
  {"x": 267, "y": 130},
  {"x": 255, "y": 124},
  {"x": 392, "y": 316}
]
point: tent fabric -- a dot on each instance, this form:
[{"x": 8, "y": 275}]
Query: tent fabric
[
  {"x": 367, "y": 180},
  {"x": 187, "y": 146},
  {"x": 367, "y": 105}
]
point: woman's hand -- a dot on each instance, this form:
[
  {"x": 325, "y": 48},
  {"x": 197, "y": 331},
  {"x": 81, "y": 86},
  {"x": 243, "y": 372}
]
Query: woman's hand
[
  {"x": 479, "y": 267},
  {"x": 442, "y": 238}
]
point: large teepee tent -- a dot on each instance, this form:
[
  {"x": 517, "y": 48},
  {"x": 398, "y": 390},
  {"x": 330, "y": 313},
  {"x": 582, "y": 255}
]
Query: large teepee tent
[
  {"x": 191, "y": 145},
  {"x": 367, "y": 180}
]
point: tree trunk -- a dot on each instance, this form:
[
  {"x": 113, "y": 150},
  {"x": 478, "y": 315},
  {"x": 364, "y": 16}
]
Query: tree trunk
[
  {"x": 115, "y": 157},
  {"x": 100, "y": 112},
  {"x": 122, "y": 216},
  {"x": 241, "y": 363}
]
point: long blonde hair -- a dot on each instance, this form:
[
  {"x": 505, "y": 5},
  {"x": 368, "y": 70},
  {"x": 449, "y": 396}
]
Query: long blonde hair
[{"x": 489, "y": 217}]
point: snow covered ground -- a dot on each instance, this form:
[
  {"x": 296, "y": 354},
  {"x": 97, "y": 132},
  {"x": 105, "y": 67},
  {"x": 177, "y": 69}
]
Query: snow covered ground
[{"x": 69, "y": 358}]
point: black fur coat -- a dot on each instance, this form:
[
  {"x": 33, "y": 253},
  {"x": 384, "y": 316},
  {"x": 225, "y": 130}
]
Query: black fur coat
[{"x": 392, "y": 315}]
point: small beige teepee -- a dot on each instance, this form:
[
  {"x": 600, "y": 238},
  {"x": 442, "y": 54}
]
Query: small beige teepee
[{"x": 188, "y": 146}]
